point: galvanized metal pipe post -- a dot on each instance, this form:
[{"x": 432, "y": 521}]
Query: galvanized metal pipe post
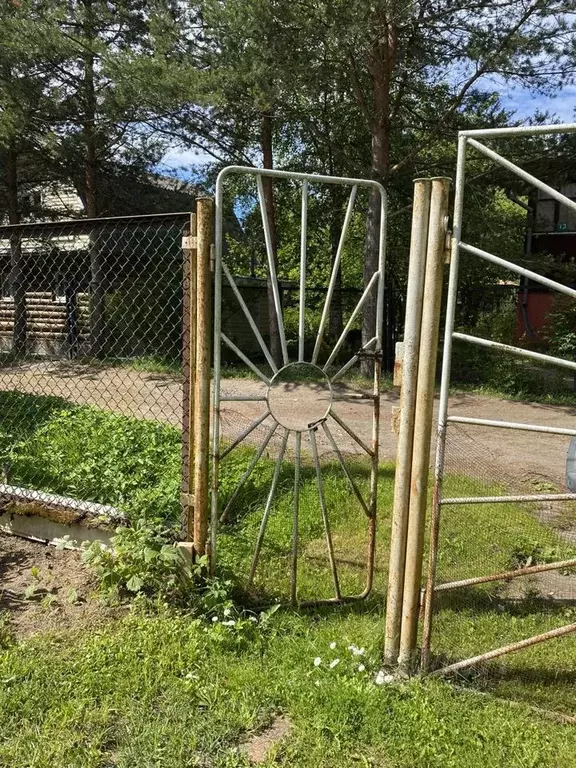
[
  {"x": 189, "y": 383},
  {"x": 423, "y": 419},
  {"x": 412, "y": 327},
  {"x": 204, "y": 226}
]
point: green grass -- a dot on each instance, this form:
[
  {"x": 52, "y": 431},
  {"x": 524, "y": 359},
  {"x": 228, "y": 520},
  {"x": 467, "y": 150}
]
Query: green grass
[
  {"x": 160, "y": 691},
  {"x": 167, "y": 689}
]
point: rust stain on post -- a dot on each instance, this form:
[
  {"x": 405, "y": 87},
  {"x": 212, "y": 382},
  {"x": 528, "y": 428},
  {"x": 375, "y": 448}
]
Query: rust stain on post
[{"x": 204, "y": 227}]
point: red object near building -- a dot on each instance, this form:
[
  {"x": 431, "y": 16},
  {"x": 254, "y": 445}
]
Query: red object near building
[{"x": 553, "y": 233}]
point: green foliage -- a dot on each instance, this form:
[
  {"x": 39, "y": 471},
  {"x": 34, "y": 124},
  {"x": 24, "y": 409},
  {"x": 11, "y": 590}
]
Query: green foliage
[
  {"x": 95, "y": 455},
  {"x": 140, "y": 559},
  {"x": 560, "y": 330},
  {"x": 491, "y": 371},
  {"x": 7, "y": 636},
  {"x": 532, "y": 553}
]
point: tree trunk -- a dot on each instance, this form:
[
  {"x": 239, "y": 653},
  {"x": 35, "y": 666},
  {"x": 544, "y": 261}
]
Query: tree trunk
[
  {"x": 267, "y": 157},
  {"x": 97, "y": 277},
  {"x": 17, "y": 282},
  {"x": 335, "y": 323},
  {"x": 381, "y": 67}
]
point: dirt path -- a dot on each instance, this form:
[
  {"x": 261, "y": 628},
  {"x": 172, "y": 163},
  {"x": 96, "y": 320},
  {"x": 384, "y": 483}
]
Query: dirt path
[
  {"x": 520, "y": 458},
  {"x": 44, "y": 589}
]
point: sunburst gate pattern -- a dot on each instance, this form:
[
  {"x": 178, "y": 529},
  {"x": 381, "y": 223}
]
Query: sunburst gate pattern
[{"x": 307, "y": 383}]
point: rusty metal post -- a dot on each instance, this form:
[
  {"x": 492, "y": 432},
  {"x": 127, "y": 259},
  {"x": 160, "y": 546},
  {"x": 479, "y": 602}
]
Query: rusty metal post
[
  {"x": 204, "y": 228},
  {"x": 189, "y": 379},
  {"x": 411, "y": 344},
  {"x": 423, "y": 419}
]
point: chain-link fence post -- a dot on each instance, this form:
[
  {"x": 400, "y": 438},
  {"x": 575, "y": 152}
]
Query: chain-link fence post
[
  {"x": 189, "y": 378},
  {"x": 205, "y": 229}
]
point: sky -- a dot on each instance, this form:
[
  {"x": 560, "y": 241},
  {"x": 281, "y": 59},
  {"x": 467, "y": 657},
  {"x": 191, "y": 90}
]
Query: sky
[{"x": 522, "y": 101}]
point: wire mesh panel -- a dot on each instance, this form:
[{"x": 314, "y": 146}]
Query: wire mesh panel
[
  {"x": 502, "y": 554},
  {"x": 91, "y": 366},
  {"x": 292, "y": 476}
]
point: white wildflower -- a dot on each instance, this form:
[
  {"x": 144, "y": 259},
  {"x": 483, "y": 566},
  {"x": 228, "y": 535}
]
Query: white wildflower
[
  {"x": 229, "y": 623},
  {"x": 382, "y": 678},
  {"x": 254, "y": 619},
  {"x": 355, "y": 651},
  {"x": 214, "y": 618},
  {"x": 361, "y": 668},
  {"x": 317, "y": 661},
  {"x": 332, "y": 645},
  {"x": 334, "y": 663},
  {"x": 226, "y": 611}
]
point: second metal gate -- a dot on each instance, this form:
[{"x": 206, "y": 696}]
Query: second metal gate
[{"x": 437, "y": 587}]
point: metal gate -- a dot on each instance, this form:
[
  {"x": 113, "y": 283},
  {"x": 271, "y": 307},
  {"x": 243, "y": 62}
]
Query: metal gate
[
  {"x": 292, "y": 429},
  {"x": 436, "y": 587}
]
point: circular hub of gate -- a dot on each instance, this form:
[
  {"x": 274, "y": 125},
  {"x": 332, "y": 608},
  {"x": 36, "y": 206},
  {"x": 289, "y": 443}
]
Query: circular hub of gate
[{"x": 299, "y": 396}]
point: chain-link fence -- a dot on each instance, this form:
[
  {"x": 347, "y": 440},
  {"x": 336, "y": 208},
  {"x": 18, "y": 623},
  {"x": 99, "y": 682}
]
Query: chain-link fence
[
  {"x": 93, "y": 369},
  {"x": 91, "y": 366}
]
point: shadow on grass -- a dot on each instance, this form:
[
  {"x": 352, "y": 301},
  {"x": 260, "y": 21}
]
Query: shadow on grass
[
  {"x": 23, "y": 414},
  {"x": 484, "y": 601},
  {"x": 254, "y": 492}
]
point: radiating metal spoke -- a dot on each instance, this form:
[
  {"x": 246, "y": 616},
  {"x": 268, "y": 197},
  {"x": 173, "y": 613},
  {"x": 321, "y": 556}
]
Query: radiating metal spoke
[
  {"x": 351, "y": 432},
  {"x": 272, "y": 268},
  {"x": 351, "y": 320},
  {"x": 295, "y": 511},
  {"x": 249, "y": 317},
  {"x": 303, "y": 245},
  {"x": 243, "y": 435},
  {"x": 320, "y": 482},
  {"x": 334, "y": 275},
  {"x": 345, "y": 468},
  {"x": 244, "y": 359},
  {"x": 353, "y": 360},
  {"x": 268, "y": 508},
  {"x": 248, "y": 472}
]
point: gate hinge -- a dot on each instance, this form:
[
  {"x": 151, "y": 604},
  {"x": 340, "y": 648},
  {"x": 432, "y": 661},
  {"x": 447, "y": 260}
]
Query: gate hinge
[{"x": 189, "y": 243}]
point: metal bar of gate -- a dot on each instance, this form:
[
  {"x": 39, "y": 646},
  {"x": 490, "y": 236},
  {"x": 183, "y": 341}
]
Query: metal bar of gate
[
  {"x": 334, "y": 275},
  {"x": 520, "y": 498},
  {"x": 505, "y": 575},
  {"x": 518, "y": 269},
  {"x": 443, "y": 404},
  {"x": 511, "y": 425},
  {"x": 519, "y": 130},
  {"x": 303, "y": 246},
  {"x": 494, "y": 654},
  {"x": 539, "y": 356},
  {"x": 522, "y": 174}
]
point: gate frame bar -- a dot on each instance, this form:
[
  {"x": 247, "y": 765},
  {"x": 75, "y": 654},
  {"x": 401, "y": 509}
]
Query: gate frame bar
[{"x": 372, "y": 348}]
